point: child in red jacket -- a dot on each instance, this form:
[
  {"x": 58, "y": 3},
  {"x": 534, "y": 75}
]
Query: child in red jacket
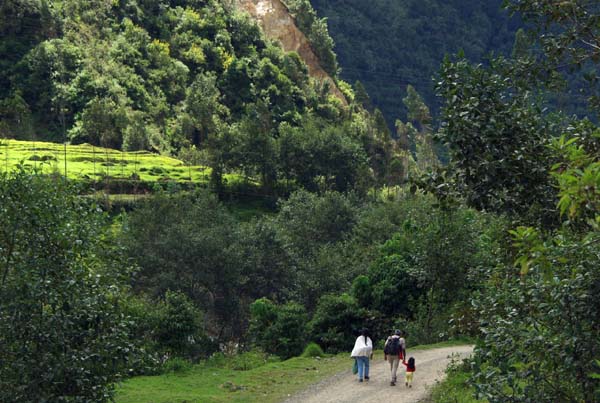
[{"x": 410, "y": 370}]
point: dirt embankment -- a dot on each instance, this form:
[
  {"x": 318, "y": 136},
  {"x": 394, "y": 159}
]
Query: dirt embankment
[{"x": 278, "y": 24}]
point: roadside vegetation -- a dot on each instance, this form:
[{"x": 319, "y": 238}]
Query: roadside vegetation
[
  {"x": 233, "y": 379},
  {"x": 455, "y": 388},
  {"x": 360, "y": 228},
  {"x": 247, "y": 377}
]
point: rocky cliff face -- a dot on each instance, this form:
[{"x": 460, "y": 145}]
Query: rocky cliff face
[{"x": 278, "y": 24}]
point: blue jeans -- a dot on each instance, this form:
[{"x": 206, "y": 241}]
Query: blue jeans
[{"x": 363, "y": 366}]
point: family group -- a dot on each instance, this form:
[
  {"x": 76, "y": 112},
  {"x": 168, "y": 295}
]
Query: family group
[{"x": 394, "y": 353}]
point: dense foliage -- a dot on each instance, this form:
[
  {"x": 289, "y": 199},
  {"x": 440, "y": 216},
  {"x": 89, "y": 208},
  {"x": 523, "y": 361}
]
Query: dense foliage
[
  {"x": 279, "y": 330},
  {"x": 316, "y": 30},
  {"x": 538, "y": 317},
  {"x": 498, "y": 139},
  {"x": 302, "y": 258},
  {"x": 63, "y": 334},
  {"x": 387, "y": 45},
  {"x": 500, "y": 244},
  {"x": 191, "y": 78}
]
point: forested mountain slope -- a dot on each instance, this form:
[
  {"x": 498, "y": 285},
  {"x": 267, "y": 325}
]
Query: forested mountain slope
[
  {"x": 196, "y": 79},
  {"x": 276, "y": 21},
  {"x": 388, "y": 44}
]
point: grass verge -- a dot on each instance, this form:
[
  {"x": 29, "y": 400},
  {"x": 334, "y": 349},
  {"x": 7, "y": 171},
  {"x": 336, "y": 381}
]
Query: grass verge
[
  {"x": 271, "y": 382},
  {"x": 455, "y": 388},
  {"x": 204, "y": 383}
]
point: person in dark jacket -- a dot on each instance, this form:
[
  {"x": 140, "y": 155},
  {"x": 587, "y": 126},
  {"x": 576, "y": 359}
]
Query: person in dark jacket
[{"x": 393, "y": 351}]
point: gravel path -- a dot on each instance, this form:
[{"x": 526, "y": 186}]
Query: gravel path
[{"x": 344, "y": 387}]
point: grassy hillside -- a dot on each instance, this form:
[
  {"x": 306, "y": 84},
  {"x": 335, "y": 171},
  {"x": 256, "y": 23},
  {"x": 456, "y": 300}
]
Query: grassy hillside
[{"x": 89, "y": 162}]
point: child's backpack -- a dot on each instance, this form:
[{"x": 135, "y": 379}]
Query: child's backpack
[{"x": 392, "y": 347}]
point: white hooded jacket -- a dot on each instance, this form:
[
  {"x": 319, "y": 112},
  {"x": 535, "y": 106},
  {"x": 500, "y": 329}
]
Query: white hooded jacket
[{"x": 362, "y": 349}]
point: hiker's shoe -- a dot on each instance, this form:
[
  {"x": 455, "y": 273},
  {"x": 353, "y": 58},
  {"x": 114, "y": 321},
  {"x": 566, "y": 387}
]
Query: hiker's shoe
[
  {"x": 366, "y": 378},
  {"x": 407, "y": 384},
  {"x": 392, "y": 383},
  {"x": 360, "y": 380},
  {"x": 410, "y": 386}
]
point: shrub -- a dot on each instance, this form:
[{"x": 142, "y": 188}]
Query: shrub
[
  {"x": 278, "y": 329},
  {"x": 362, "y": 291},
  {"x": 179, "y": 324},
  {"x": 176, "y": 365},
  {"x": 63, "y": 336},
  {"x": 250, "y": 360},
  {"x": 189, "y": 243},
  {"x": 336, "y": 322},
  {"x": 313, "y": 350}
]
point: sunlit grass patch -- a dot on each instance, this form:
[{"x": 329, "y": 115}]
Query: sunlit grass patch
[
  {"x": 86, "y": 162},
  {"x": 271, "y": 382}
]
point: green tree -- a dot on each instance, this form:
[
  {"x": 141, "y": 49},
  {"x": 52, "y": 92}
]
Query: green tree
[
  {"x": 522, "y": 45},
  {"x": 316, "y": 31},
  {"x": 63, "y": 335},
  {"x": 102, "y": 123},
  {"x": 268, "y": 267},
  {"x": 362, "y": 97},
  {"x": 547, "y": 317},
  {"x": 202, "y": 104},
  {"x": 497, "y": 137},
  {"x": 419, "y": 116},
  {"x": 189, "y": 243},
  {"x": 278, "y": 329},
  {"x": 256, "y": 148},
  {"x": 321, "y": 156},
  {"x": 336, "y": 322},
  {"x": 538, "y": 316},
  {"x": 313, "y": 228},
  {"x": 436, "y": 254},
  {"x": 179, "y": 324}
]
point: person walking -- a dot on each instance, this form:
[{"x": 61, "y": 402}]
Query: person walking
[
  {"x": 362, "y": 352},
  {"x": 402, "y": 345},
  {"x": 410, "y": 371},
  {"x": 393, "y": 354}
]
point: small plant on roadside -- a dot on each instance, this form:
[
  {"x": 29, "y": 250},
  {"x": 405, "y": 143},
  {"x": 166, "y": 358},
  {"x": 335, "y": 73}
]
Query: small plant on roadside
[
  {"x": 278, "y": 329},
  {"x": 251, "y": 360},
  {"x": 176, "y": 365},
  {"x": 313, "y": 350}
]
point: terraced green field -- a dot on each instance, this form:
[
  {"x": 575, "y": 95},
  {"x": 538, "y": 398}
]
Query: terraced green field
[{"x": 86, "y": 162}]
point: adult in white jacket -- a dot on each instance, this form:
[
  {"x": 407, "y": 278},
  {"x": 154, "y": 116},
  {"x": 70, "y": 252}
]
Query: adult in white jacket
[{"x": 362, "y": 352}]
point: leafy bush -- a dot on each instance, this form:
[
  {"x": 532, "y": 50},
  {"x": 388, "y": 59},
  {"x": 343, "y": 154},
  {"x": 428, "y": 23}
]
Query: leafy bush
[
  {"x": 278, "y": 329},
  {"x": 336, "y": 322},
  {"x": 430, "y": 323},
  {"x": 313, "y": 350},
  {"x": 249, "y": 360},
  {"x": 456, "y": 388},
  {"x": 189, "y": 243},
  {"x": 176, "y": 365},
  {"x": 179, "y": 324},
  {"x": 429, "y": 262},
  {"x": 63, "y": 335}
]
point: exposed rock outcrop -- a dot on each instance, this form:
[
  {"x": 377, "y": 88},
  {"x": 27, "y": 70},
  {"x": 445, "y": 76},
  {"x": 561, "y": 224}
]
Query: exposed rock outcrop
[{"x": 278, "y": 24}]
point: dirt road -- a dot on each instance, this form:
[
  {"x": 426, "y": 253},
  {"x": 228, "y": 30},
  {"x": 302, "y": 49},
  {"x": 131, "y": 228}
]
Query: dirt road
[{"x": 345, "y": 388}]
